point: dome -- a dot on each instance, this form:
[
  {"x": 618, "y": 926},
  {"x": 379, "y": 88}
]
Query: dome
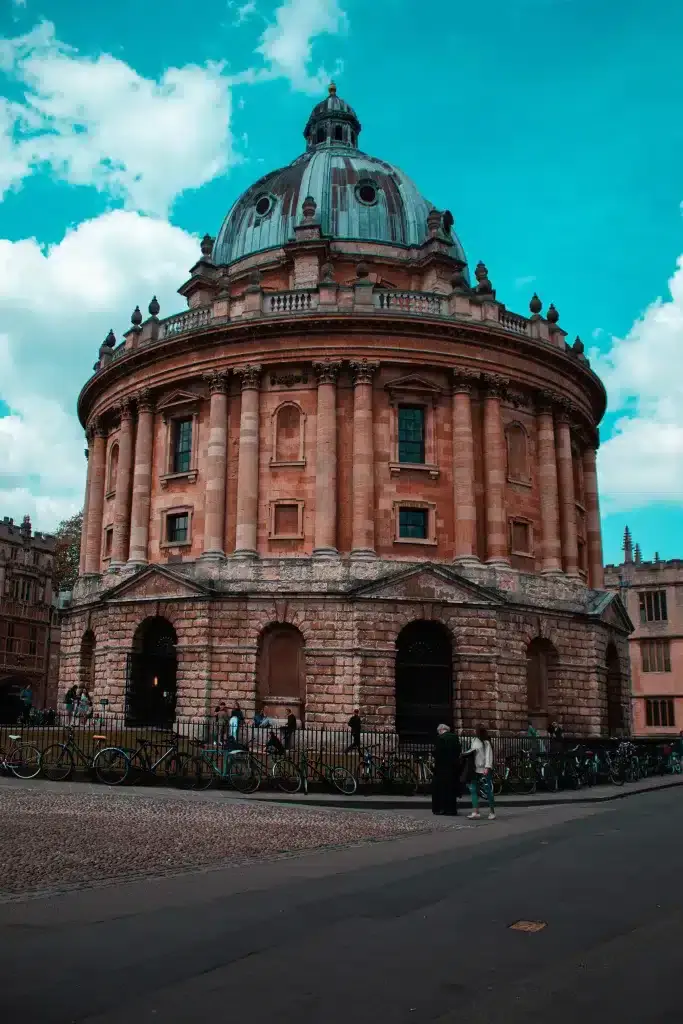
[{"x": 357, "y": 196}]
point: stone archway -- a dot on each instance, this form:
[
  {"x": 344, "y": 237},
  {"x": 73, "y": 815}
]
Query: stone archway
[
  {"x": 151, "y": 684},
  {"x": 424, "y": 679},
  {"x": 86, "y": 663},
  {"x": 281, "y": 677},
  {"x": 542, "y": 666},
  {"x": 11, "y": 707},
  {"x": 615, "y": 706}
]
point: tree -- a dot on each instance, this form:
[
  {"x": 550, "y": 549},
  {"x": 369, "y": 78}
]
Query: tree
[{"x": 68, "y": 552}]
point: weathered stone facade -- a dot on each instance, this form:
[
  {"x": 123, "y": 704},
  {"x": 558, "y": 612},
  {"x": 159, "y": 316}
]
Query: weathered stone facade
[{"x": 340, "y": 438}]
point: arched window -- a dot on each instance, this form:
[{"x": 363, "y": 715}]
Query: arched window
[
  {"x": 113, "y": 469},
  {"x": 424, "y": 679},
  {"x": 338, "y": 133},
  {"x": 517, "y": 453},
  {"x": 320, "y": 137},
  {"x": 541, "y": 675},
  {"x": 288, "y": 443},
  {"x": 151, "y": 675},
  {"x": 86, "y": 668},
  {"x": 282, "y": 669}
]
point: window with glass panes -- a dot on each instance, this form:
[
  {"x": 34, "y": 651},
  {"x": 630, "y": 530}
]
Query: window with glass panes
[
  {"x": 653, "y": 606},
  {"x": 413, "y": 522},
  {"x": 411, "y": 433},
  {"x": 655, "y": 656},
  {"x": 177, "y": 528},
  {"x": 182, "y": 445},
  {"x": 659, "y": 711}
]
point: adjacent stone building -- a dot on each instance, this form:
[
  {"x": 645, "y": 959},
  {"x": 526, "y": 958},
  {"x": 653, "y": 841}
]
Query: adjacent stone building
[
  {"x": 652, "y": 591},
  {"x": 345, "y": 476},
  {"x": 29, "y": 627}
]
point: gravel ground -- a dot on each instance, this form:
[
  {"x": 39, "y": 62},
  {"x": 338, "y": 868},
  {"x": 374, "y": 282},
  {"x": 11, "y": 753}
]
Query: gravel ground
[{"x": 59, "y": 840}]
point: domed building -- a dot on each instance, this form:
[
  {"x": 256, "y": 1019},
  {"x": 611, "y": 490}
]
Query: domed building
[{"x": 345, "y": 476}]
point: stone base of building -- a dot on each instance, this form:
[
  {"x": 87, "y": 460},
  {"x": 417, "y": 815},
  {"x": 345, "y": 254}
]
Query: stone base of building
[{"x": 427, "y": 640}]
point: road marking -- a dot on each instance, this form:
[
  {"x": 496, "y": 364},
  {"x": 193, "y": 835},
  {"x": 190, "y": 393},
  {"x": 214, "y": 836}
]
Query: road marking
[{"x": 528, "y": 926}]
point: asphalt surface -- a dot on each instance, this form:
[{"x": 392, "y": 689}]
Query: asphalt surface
[{"x": 412, "y": 930}]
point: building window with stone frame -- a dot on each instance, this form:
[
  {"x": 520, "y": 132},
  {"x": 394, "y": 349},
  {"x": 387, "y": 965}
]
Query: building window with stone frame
[
  {"x": 652, "y": 606},
  {"x": 32, "y": 640},
  {"x": 660, "y": 712},
  {"x": 11, "y": 641},
  {"x": 108, "y": 541},
  {"x": 176, "y": 527},
  {"x": 112, "y": 470},
  {"x": 286, "y": 519},
  {"x": 411, "y": 434},
  {"x": 517, "y": 448},
  {"x": 655, "y": 655},
  {"x": 288, "y": 429},
  {"x": 181, "y": 445},
  {"x": 414, "y": 522},
  {"x": 520, "y": 539}
]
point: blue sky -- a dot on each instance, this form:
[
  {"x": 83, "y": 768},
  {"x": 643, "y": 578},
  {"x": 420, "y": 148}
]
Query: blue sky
[{"x": 551, "y": 129}]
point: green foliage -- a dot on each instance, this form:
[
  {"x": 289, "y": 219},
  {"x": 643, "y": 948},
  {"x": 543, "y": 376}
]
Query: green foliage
[{"x": 68, "y": 552}]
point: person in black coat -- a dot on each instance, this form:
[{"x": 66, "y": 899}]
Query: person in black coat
[{"x": 447, "y": 768}]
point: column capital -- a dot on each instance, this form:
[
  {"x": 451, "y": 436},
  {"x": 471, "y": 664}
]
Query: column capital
[
  {"x": 144, "y": 401},
  {"x": 124, "y": 409},
  {"x": 327, "y": 371},
  {"x": 96, "y": 428},
  {"x": 217, "y": 381},
  {"x": 546, "y": 401},
  {"x": 250, "y": 376},
  {"x": 565, "y": 410},
  {"x": 495, "y": 384},
  {"x": 363, "y": 371},
  {"x": 464, "y": 380}
]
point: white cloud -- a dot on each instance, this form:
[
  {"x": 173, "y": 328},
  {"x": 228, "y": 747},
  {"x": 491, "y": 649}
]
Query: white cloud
[
  {"x": 96, "y": 121},
  {"x": 287, "y": 44},
  {"x": 521, "y": 282},
  {"x": 643, "y": 460},
  {"x": 243, "y": 11},
  {"x": 56, "y": 306}
]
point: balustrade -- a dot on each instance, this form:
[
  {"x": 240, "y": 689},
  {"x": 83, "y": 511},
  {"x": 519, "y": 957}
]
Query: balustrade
[
  {"x": 290, "y": 302},
  {"x": 193, "y": 320},
  {"x": 411, "y": 302},
  {"x": 512, "y": 322}
]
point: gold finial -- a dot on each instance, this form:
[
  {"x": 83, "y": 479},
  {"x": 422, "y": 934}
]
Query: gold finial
[{"x": 332, "y": 89}]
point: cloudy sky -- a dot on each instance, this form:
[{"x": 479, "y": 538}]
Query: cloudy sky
[{"x": 551, "y": 128}]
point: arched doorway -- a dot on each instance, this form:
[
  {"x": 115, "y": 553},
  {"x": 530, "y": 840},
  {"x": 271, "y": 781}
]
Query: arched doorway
[
  {"x": 11, "y": 707},
  {"x": 615, "y": 707},
  {"x": 86, "y": 668},
  {"x": 424, "y": 679},
  {"x": 281, "y": 681},
  {"x": 152, "y": 670},
  {"x": 541, "y": 671}
]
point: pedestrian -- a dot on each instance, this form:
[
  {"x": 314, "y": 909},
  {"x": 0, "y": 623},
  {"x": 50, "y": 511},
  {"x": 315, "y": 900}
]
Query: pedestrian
[
  {"x": 482, "y": 752},
  {"x": 222, "y": 718},
  {"x": 289, "y": 729},
  {"x": 355, "y": 725},
  {"x": 261, "y": 720},
  {"x": 26, "y": 698},
  {"x": 233, "y": 726},
  {"x": 446, "y": 776},
  {"x": 537, "y": 744},
  {"x": 70, "y": 698},
  {"x": 239, "y": 715},
  {"x": 556, "y": 735},
  {"x": 84, "y": 710},
  {"x": 274, "y": 744}
]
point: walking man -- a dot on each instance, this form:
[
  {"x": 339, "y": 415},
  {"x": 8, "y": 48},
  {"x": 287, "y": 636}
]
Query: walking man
[
  {"x": 355, "y": 725},
  {"x": 446, "y": 778}
]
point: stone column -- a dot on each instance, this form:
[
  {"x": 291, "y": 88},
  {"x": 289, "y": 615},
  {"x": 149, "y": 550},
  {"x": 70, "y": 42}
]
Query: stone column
[
  {"x": 326, "y": 459},
  {"x": 216, "y": 465},
  {"x": 363, "y": 497},
  {"x": 494, "y": 471},
  {"x": 119, "y": 547},
  {"x": 465, "y": 511},
  {"x": 248, "y": 462},
  {"x": 551, "y": 561},
  {"x": 596, "y": 575},
  {"x": 565, "y": 476},
  {"x": 96, "y": 473},
  {"x": 142, "y": 481},
  {"x": 84, "y": 524}
]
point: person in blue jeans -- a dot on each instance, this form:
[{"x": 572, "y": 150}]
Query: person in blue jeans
[{"x": 482, "y": 752}]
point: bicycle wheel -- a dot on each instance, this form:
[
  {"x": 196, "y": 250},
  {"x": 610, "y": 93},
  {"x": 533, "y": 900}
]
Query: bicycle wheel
[
  {"x": 176, "y": 768},
  {"x": 551, "y": 779},
  {"x": 342, "y": 780},
  {"x": 199, "y": 774},
  {"x": 402, "y": 777},
  {"x": 523, "y": 780},
  {"x": 111, "y": 766},
  {"x": 58, "y": 762},
  {"x": 367, "y": 775},
  {"x": 25, "y": 761},
  {"x": 244, "y": 774},
  {"x": 617, "y": 774},
  {"x": 496, "y": 782},
  {"x": 286, "y": 776}
]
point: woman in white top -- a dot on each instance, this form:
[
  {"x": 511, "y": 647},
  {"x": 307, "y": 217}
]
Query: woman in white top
[{"x": 482, "y": 752}]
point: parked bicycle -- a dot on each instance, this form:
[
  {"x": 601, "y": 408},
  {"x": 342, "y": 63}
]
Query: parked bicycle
[
  {"x": 22, "y": 759},
  {"x": 236, "y": 766},
  {"x": 387, "y": 771},
  {"x": 334, "y": 775},
  {"x": 59, "y": 760},
  {"x": 174, "y": 764}
]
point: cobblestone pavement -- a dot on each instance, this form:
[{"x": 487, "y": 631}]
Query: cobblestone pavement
[{"x": 61, "y": 838}]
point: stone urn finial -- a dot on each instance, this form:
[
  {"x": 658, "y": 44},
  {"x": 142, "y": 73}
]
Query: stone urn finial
[
  {"x": 535, "y": 305},
  {"x": 552, "y": 316},
  {"x": 136, "y": 317},
  {"x": 154, "y": 307},
  {"x": 308, "y": 208},
  {"x": 110, "y": 340},
  {"x": 481, "y": 273}
]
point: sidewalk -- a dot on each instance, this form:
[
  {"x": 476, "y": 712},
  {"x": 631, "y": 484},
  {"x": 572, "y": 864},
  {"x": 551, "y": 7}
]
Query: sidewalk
[{"x": 384, "y": 802}]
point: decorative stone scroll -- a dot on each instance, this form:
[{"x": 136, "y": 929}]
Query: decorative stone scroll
[
  {"x": 250, "y": 376},
  {"x": 363, "y": 371},
  {"x": 217, "y": 380},
  {"x": 327, "y": 371},
  {"x": 495, "y": 384},
  {"x": 464, "y": 380}
]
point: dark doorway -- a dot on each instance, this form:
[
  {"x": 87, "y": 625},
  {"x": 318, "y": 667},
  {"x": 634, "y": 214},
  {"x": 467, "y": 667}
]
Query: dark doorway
[
  {"x": 615, "y": 707},
  {"x": 11, "y": 706},
  {"x": 152, "y": 670},
  {"x": 282, "y": 670},
  {"x": 424, "y": 679},
  {"x": 542, "y": 668}
]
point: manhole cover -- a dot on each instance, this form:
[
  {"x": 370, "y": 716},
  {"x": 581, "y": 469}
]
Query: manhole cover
[{"x": 528, "y": 926}]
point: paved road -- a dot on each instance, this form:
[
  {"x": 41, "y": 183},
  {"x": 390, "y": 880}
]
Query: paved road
[{"x": 415, "y": 930}]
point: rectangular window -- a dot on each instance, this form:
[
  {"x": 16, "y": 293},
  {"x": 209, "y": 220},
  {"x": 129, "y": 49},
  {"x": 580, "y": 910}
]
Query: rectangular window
[
  {"x": 520, "y": 537},
  {"x": 108, "y": 541},
  {"x": 659, "y": 712},
  {"x": 411, "y": 434},
  {"x": 413, "y": 522},
  {"x": 32, "y": 644},
  {"x": 653, "y": 606},
  {"x": 178, "y": 528},
  {"x": 654, "y": 655},
  {"x": 286, "y": 521},
  {"x": 182, "y": 446},
  {"x": 11, "y": 643}
]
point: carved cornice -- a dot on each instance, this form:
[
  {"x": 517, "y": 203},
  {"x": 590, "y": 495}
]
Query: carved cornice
[
  {"x": 217, "y": 381},
  {"x": 495, "y": 384},
  {"x": 250, "y": 376},
  {"x": 363, "y": 371},
  {"x": 327, "y": 371},
  {"x": 465, "y": 380}
]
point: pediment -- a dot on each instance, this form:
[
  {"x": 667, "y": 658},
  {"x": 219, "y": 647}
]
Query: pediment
[
  {"x": 412, "y": 384},
  {"x": 428, "y": 583},
  {"x": 156, "y": 582},
  {"x": 177, "y": 398},
  {"x": 610, "y": 609}
]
